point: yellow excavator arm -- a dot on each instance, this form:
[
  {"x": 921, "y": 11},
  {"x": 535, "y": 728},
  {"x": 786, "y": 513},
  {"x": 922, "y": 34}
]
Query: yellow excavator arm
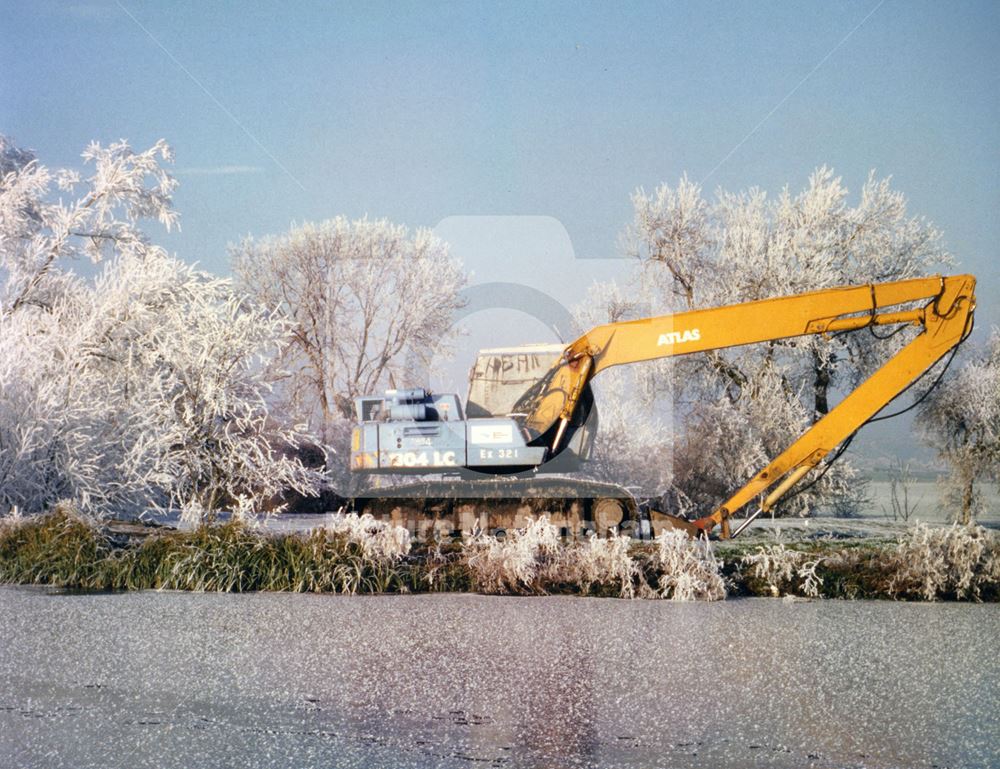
[{"x": 945, "y": 319}]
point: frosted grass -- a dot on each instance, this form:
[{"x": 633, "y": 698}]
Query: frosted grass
[{"x": 534, "y": 560}]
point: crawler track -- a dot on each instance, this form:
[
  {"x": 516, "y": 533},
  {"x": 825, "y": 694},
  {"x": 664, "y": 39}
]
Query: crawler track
[{"x": 453, "y": 508}]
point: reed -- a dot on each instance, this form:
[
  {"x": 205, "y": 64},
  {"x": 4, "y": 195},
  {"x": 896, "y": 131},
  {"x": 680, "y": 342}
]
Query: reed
[
  {"x": 360, "y": 555},
  {"x": 63, "y": 549}
]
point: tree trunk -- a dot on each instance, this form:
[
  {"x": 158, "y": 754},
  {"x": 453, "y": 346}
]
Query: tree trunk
[
  {"x": 345, "y": 405},
  {"x": 821, "y": 387},
  {"x": 967, "y": 496}
]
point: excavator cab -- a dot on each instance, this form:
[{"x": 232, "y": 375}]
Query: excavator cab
[{"x": 416, "y": 431}]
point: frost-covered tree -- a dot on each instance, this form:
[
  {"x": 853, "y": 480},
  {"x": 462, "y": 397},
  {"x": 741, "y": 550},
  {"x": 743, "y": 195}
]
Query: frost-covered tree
[
  {"x": 184, "y": 356},
  {"x": 744, "y": 405},
  {"x": 961, "y": 419},
  {"x": 142, "y": 388},
  {"x": 40, "y": 234},
  {"x": 42, "y": 303},
  {"x": 365, "y": 298}
]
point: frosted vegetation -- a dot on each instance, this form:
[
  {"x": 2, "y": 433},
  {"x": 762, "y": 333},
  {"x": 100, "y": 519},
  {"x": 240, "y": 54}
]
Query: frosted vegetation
[
  {"x": 66, "y": 548},
  {"x": 153, "y": 384},
  {"x": 962, "y": 420},
  {"x": 534, "y": 560},
  {"x": 144, "y": 387},
  {"x": 360, "y": 555},
  {"x": 376, "y": 539},
  {"x": 685, "y": 569},
  {"x": 960, "y": 560},
  {"x": 369, "y": 304},
  {"x": 785, "y": 571}
]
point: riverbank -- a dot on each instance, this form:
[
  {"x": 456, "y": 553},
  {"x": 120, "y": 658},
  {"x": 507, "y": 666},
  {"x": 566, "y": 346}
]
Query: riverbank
[{"x": 354, "y": 555}]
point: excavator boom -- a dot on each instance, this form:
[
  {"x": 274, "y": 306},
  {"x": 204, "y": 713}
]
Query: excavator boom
[{"x": 941, "y": 306}]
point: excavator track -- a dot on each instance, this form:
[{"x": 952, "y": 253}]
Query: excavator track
[{"x": 440, "y": 509}]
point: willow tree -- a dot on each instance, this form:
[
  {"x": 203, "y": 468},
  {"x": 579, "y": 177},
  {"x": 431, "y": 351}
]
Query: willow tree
[{"x": 144, "y": 386}]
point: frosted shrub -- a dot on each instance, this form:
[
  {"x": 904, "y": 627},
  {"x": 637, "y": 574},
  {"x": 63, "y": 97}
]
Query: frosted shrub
[
  {"x": 517, "y": 563},
  {"x": 961, "y": 420},
  {"x": 604, "y": 562},
  {"x": 686, "y": 569},
  {"x": 934, "y": 562},
  {"x": 377, "y": 540},
  {"x": 780, "y": 567},
  {"x": 11, "y": 520},
  {"x": 532, "y": 560},
  {"x": 811, "y": 582}
]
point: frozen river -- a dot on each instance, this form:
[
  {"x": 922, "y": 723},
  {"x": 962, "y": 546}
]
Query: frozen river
[{"x": 270, "y": 680}]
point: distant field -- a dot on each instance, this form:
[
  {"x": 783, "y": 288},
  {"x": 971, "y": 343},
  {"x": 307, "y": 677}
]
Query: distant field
[
  {"x": 881, "y": 474},
  {"x": 926, "y": 494}
]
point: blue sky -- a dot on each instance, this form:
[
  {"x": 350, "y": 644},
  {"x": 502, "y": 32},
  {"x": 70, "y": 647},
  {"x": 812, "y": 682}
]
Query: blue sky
[{"x": 420, "y": 112}]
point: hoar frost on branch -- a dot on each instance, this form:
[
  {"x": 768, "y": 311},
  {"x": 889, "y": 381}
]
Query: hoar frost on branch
[
  {"x": 144, "y": 388},
  {"x": 38, "y": 235},
  {"x": 738, "y": 408}
]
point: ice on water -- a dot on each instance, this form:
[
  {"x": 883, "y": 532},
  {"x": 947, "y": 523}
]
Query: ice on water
[{"x": 179, "y": 680}]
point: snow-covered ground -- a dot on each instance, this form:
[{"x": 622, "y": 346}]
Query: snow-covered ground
[{"x": 925, "y": 498}]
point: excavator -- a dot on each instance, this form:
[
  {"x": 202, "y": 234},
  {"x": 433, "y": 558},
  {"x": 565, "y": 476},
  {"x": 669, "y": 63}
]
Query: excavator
[{"x": 496, "y": 460}]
